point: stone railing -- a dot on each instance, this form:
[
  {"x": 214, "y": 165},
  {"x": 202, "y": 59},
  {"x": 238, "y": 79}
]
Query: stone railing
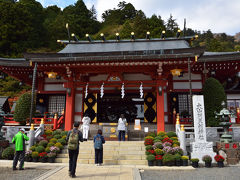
[{"x": 213, "y": 134}]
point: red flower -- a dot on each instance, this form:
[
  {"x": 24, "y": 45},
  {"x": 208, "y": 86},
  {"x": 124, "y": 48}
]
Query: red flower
[
  {"x": 219, "y": 158},
  {"x": 43, "y": 154},
  {"x": 148, "y": 142},
  {"x": 44, "y": 136},
  {"x": 158, "y": 157},
  {"x": 151, "y": 151},
  {"x": 167, "y": 140},
  {"x": 234, "y": 146},
  {"x": 226, "y": 146}
]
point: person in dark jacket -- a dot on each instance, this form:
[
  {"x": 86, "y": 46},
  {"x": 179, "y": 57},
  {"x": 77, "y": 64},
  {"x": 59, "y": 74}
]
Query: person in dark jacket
[
  {"x": 73, "y": 154},
  {"x": 19, "y": 141},
  {"x": 98, "y": 146}
]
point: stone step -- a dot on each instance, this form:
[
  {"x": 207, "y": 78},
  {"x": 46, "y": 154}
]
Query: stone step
[
  {"x": 125, "y": 151},
  {"x": 107, "y": 156},
  {"x": 105, "y": 161}
]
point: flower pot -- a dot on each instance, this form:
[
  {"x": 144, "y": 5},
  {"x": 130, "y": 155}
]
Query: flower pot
[
  {"x": 159, "y": 163},
  {"x": 51, "y": 159},
  {"x": 195, "y": 164},
  {"x": 220, "y": 164},
  {"x": 28, "y": 158},
  {"x": 208, "y": 164},
  {"x": 170, "y": 163},
  {"x": 178, "y": 163},
  {"x": 43, "y": 159},
  {"x": 185, "y": 162},
  {"x": 35, "y": 159}
]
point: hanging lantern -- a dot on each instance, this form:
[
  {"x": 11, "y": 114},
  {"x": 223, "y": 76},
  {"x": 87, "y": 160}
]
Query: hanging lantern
[
  {"x": 141, "y": 91},
  {"x": 176, "y": 72},
  {"x": 52, "y": 75},
  {"x": 102, "y": 90},
  {"x": 122, "y": 91},
  {"x": 86, "y": 91}
]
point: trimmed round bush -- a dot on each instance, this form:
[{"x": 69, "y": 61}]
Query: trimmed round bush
[
  {"x": 159, "y": 152},
  {"x": 48, "y": 132},
  {"x": 171, "y": 134},
  {"x": 64, "y": 133},
  {"x": 50, "y": 144},
  {"x": 64, "y": 137},
  {"x": 35, "y": 154},
  {"x": 58, "y": 136},
  {"x": 152, "y": 134},
  {"x": 47, "y": 149},
  {"x": 43, "y": 143},
  {"x": 149, "y": 147},
  {"x": 161, "y": 133},
  {"x": 57, "y": 132},
  {"x": 59, "y": 145},
  {"x": 8, "y": 153},
  {"x": 176, "y": 142},
  {"x": 53, "y": 140},
  {"x": 40, "y": 149},
  {"x": 150, "y": 157},
  {"x": 32, "y": 148},
  {"x": 62, "y": 141}
]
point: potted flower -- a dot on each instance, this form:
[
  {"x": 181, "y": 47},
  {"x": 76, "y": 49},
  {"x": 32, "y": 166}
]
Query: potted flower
[
  {"x": 51, "y": 157},
  {"x": 158, "y": 159},
  {"x": 184, "y": 160},
  {"x": 54, "y": 149},
  {"x": 35, "y": 156},
  {"x": 219, "y": 159},
  {"x": 208, "y": 160},
  {"x": 28, "y": 156},
  {"x": 194, "y": 162},
  {"x": 178, "y": 159},
  {"x": 169, "y": 159},
  {"x": 43, "y": 157},
  {"x": 151, "y": 159}
]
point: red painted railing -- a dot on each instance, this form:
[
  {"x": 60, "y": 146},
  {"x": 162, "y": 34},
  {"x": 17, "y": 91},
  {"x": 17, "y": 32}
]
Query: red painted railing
[
  {"x": 182, "y": 120},
  {"x": 58, "y": 122}
]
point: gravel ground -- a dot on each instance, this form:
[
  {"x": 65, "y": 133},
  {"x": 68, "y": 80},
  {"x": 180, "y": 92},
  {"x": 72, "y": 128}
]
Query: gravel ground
[
  {"x": 28, "y": 173},
  {"x": 226, "y": 173}
]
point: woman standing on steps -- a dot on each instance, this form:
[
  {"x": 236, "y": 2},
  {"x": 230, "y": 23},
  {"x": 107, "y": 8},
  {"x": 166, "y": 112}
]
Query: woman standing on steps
[
  {"x": 122, "y": 122},
  {"x": 98, "y": 146}
]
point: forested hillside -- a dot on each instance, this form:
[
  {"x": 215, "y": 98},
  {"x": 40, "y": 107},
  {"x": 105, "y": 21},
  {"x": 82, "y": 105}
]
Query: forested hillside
[{"x": 26, "y": 26}]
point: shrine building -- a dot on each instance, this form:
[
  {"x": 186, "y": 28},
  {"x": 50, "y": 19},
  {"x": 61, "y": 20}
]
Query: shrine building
[{"x": 146, "y": 79}]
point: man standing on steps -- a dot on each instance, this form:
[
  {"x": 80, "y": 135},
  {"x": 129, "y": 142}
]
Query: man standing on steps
[
  {"x": 85, "y": 126},
  {"x": 73, "y": 138},
  {"x": 19, "y": 141}
]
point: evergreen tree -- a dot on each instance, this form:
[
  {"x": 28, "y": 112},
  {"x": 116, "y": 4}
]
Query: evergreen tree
[
  {"x": 214, "y": 95},
  {"x": 22, "y": 110}
]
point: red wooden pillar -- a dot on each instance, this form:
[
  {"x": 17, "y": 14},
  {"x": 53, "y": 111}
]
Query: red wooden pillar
[
  {"x": 70, "y": 108},
  {"x": 160, "y": 106}
]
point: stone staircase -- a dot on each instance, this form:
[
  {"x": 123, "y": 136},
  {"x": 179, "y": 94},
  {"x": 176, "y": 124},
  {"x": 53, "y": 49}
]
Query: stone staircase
[{"x": 114, "y": 153}]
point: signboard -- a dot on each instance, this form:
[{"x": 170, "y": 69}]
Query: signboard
[
  {"x": 145, "y": 129},
  {"x": 137, "y": 125}
]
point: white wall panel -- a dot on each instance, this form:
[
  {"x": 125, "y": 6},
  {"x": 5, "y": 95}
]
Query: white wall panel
[
  {"x": 185, "y": 85},
  {"x": 78, "y": 102},
  {"x": 54, "y": 87},
  {"x": 77, "y": 118},
  {"x": 100, "y": 77},
  {"x": 185, "y": 77},
  {"x": 165, "y": 103},
  {"x": 233, "y": 96},
  {"x": 136, "y": 77}
]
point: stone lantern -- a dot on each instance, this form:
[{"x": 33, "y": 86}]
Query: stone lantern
[{"x": 225, "y": 116}]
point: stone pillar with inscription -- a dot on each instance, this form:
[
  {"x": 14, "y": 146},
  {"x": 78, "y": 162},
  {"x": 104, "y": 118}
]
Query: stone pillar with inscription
[{"x": 200, "y": 147}]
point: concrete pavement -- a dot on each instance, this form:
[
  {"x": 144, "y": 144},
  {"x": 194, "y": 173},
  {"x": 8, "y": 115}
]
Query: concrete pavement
[{"x": 59, "y": 171}]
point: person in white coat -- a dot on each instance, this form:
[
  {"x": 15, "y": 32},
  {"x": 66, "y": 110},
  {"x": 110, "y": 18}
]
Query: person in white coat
[
  {"x": 122, "y": 122},
  {"x": 85, "y": 126}
]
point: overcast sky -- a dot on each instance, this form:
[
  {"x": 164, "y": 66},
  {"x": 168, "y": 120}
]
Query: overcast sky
[{"x": 217, "y": 15}]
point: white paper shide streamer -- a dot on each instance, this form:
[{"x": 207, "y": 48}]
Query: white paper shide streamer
[
  {"x": 102, "y": 90},
  {"x": 86, "y": 91},
  {"x": 122, "y": 91},
  {"x": 141, "y": 90}
]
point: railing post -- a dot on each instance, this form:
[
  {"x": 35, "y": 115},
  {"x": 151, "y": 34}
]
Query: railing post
[
  {"x": 238, "y": 120},
  {"x": 182, "y": 139},
  {"x": 177, "y": 126},
  {"x": 42, "y": 126},
  {"x": 55, "y": 122},
  {"x": 31, "y": 136}
]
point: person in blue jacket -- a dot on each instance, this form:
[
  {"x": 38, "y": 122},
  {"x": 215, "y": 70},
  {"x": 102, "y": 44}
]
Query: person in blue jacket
[{"x": 98, "y": 146}]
